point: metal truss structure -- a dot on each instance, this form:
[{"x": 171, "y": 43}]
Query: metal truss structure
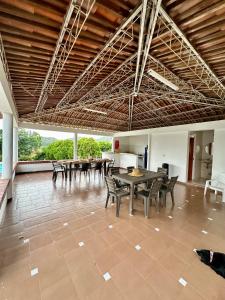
[
  {"x": 116, "y": 81},
  {"x": 4, "y": 61},
  {"x": 152, "y": 8},
  {"x": 172, "y": 38},
  {"x": 123, "y": 38},
  {"x": 64, "y": 45}
]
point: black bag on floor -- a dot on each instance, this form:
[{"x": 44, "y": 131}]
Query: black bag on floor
[{"x": 215, "y": 260}]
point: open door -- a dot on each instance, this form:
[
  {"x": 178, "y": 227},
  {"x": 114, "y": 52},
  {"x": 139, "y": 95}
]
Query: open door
[{"x": 191, "y": 157}]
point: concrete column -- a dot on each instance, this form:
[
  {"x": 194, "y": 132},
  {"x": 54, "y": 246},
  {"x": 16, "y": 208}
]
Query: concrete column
[
  {"x": 15, "y": 145},
  {"x": 149, "y": 152},
  {"x": 7, "y": 150},
  {"x": 75, "y": 146},
  {"x": 113, "y": 144}
]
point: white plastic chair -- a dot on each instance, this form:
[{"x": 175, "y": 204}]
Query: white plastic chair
[{"x": 217, "y": 184}]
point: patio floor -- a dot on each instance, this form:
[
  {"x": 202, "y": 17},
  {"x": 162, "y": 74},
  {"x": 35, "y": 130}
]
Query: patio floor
[{"x": 57, "y": 241}]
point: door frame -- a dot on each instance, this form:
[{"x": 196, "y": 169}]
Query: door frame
[{"x": 193, "y": 161}]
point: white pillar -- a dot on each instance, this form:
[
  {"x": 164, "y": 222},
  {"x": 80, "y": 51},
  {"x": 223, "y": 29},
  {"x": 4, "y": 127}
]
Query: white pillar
[
  {"x": 75, "y": 146},
  {"x": 113, "y": 144},
  {"x": 15, "y": 145},
  {"x": 149, "y": 152},
  {"x": 7, "y": 150}
]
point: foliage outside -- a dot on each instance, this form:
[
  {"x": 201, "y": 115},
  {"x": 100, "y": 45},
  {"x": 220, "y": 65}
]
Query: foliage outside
[{"x": 34, "y": 147}]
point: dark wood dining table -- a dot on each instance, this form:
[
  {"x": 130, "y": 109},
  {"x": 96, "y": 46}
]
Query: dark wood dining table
[
  {"x": 133, "y": 180},
  {"x": 69, "y": 164}
]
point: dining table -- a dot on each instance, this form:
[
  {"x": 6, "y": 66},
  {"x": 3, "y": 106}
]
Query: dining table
[
  {"x": 133, "y": 180},
  {"x": 70, "y": 163}
]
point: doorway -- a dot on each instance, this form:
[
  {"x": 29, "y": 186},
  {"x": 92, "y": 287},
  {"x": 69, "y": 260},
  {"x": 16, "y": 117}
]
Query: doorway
[
  {"x": 191, "y": 157},
  {"x": 200, "y": 156}
]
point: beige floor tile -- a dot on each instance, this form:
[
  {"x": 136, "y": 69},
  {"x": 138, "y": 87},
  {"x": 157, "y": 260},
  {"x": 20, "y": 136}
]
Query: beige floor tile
[
  {"x": 108, "y": 291},
  {"x": 87, "y": 281},
  {"x": 40, "y": 240},
  {"x": 83, "y": 234},
  {"x": 107, "y": 259},
  {"x": 66, "y": 244},
  {"x": 61, "y": 289},
  {"x": 60, "y": 233},
  {"x": 163, "y": 283},
  {"x": 67, "y": 271}
]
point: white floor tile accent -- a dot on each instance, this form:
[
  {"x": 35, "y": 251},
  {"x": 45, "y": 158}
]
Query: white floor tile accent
[
  {"x": 92, "y": 212},
  {"x": 204, "y": 231},
  {"x": 182, "y": 281},
  {"x": 26, "y": 241},
  {"x": 65, "y": 224},
  {"x": 34, "y": 272},
  {"x": 170, "y": 217},
  {"x": 157, "y": 229},
  {"x": 81, "y": 244},
  {"x": 138, "y": 247},
  {"x": 210, "y": 219},
  {"x": 110, "y": 226},
  {"x": 107, "y": 276}
]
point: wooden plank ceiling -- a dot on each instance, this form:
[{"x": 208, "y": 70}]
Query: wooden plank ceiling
[{"x": 30, "y": 30}]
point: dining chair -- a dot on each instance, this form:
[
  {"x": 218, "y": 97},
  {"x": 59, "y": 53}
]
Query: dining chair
[
  {"x": 57, "y": 168},
  {"x": 98, "y": 167},
  {"x": 130, "y": 169},
  {"x": 85, "y": 168},
  {"x": 109, "y": 166},
  {"x": 168, "y": 188},
  {"x": 114, "y": 192},
  {"x": 148, "y": 195},
  {"x": 119, "y": 184}
]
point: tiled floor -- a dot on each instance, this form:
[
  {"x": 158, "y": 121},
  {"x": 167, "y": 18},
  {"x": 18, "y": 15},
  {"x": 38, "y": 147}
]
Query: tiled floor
[{"x": 64, "y": 237}]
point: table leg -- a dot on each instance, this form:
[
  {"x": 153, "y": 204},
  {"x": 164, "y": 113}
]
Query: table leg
[
  {"x": 70, "y": 171},
  {"x": 104, "y": 165},
  {"x": 66, "y": 171},
  {"x": 131, "y": 204}
]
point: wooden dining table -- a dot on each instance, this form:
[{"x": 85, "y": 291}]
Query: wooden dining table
[
  {"x": 133, "y": 180},
  {"x": 69, "y": 164}
]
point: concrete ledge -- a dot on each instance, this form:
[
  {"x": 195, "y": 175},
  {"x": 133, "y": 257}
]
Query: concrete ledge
[
  {"x": 33, "y": 166},
  {"x": 3, "y": 196}
]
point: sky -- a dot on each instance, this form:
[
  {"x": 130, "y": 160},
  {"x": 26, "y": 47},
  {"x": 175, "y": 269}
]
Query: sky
[{"x": 56, "y": 134}]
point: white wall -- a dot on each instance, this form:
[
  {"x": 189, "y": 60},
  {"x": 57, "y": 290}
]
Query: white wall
[
  {"x": 218, "y": 152},
  {"x": 171, "y": 148},
  {"x": 124, "y": 141},
  {"x": 137, "y": 144}
]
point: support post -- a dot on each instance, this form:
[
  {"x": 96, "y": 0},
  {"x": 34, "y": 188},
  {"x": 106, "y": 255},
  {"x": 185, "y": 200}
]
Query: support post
[
  {"x": 148, "y": 152},
  {"x": 113, "y": 144},
  {"x": 7, "y": 150},
  {"x": 15, "y": 145},
  {"x": 75, "y": 146}
]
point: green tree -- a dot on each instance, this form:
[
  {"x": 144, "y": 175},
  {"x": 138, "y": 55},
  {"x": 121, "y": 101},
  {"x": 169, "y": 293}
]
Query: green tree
[
  {"x": 105, "y": 146},
  {"x": 28, "y": 143},
  {"x": 88, "y": 147},
  {"x": 61, "y": 149}
]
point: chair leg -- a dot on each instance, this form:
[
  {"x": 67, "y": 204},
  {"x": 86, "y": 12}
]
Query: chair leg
[
  {"x": 164, "y": 198},
  {"x": 117, "y": 206},
  {"x": 157, "y": 206},
  {"x": 172, "y": 196},
  {"x": 145, "y": 207},
  {"x": 107, "y": 200}
]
